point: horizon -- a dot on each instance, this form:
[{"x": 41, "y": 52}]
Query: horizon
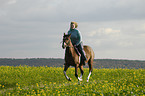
[
  {"x": 63, "y": 58},
  {"x": 34, "y": 28}
]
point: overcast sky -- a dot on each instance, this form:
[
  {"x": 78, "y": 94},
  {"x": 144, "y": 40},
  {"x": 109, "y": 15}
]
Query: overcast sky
[{"x": 34, "y": 28}]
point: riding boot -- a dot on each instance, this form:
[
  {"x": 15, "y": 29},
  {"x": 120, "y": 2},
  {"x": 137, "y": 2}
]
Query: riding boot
[
  {"x": 82, "y": 52},
  {"x": 83, "y": 61},
  {"x": 83, "y": 57}
]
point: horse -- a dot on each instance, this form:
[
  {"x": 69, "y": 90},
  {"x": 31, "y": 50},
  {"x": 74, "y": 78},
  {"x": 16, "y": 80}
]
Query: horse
[{"x": 73, "y": 59}]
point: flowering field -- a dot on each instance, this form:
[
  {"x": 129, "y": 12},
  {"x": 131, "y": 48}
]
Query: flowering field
[{"x": 50, "y": 81}]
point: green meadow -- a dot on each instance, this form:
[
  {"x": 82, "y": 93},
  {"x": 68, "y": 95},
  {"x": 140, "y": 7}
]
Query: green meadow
[{"x": 50, "y": 81}]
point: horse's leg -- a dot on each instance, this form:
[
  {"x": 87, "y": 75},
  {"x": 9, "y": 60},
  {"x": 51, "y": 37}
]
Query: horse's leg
[
  {"x": 65, "y": 69},
  {"x": 90, "y": 63},
  {"x": 82, "y": 72},
  {"x": 76, "y": 71}
]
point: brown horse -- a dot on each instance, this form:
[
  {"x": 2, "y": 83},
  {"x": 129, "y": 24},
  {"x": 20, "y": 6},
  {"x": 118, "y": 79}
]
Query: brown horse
[{"x": 73, "y": 59}]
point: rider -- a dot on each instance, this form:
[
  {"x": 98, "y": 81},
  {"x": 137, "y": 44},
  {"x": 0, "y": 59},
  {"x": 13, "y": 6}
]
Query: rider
[{"x": 76, "y": 39}]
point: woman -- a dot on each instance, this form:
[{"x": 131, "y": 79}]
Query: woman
[{"x": 76, "y": 39}]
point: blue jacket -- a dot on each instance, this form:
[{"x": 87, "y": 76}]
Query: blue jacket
[{"x": 76, "y": 37}]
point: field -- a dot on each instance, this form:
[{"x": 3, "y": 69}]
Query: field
[{"x": 50, "y": 81}]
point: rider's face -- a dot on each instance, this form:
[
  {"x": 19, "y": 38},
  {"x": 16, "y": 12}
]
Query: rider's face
[{"x": 72, "y": 26}]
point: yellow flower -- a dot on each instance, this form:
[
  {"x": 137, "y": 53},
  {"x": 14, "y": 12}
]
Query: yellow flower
[
  {"x": 37, "y": 85},
  {"x": 19, "y": 87},
  {"x": 17, "y": 84}
]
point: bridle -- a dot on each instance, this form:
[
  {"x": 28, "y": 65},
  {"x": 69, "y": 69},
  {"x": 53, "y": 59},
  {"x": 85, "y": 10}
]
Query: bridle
[{"x": 66, "y": 43}]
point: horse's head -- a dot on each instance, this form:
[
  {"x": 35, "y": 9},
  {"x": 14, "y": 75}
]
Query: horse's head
[{"x": 66, "y": 40}]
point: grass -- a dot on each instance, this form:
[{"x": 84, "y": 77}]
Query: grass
[{"x": 50, "y": 81}]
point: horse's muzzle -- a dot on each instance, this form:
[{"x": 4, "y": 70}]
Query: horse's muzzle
[{"x": 63, "y": 46}]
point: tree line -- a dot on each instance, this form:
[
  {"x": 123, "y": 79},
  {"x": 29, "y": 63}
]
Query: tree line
[{"x": 57, "y": 62}]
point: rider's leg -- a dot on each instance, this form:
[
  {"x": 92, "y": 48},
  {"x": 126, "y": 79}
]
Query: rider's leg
[{"x": 82, "y": 52}]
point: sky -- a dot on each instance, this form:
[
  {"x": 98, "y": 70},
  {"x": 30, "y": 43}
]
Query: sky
[{"x": 115, "y": 29}]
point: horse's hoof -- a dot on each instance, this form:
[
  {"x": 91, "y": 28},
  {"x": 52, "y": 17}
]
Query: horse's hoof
[
  {"x": 69, "y": 79},
  {"x": 80, "y": 79},
  {"x": 87, "y": 80}
]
